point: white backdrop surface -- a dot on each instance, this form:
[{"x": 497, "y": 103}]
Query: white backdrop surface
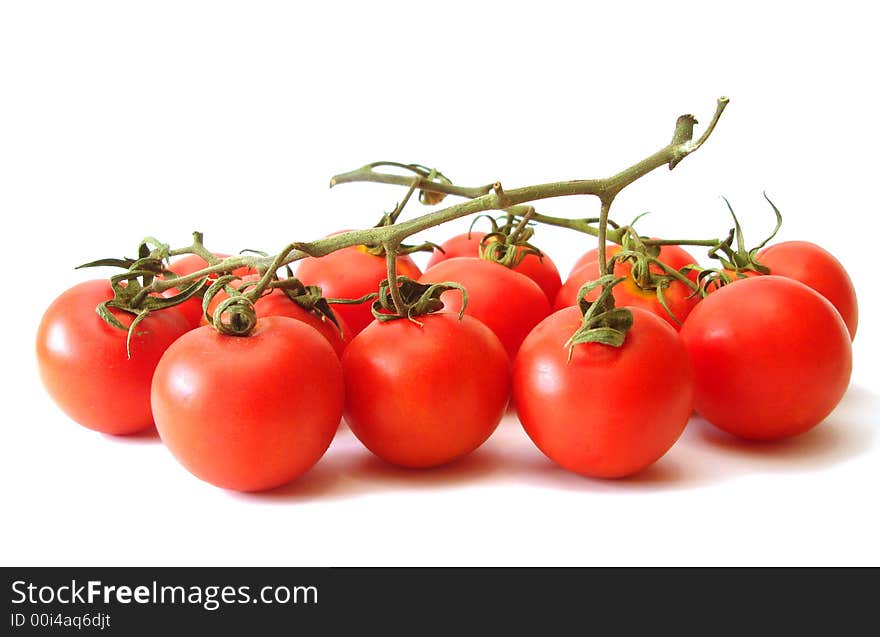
[{"x": 120, "y": 120}]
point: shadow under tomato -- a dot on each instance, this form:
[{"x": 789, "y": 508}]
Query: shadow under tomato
[
  {"x": 846, "y": 433},
  {"x": 542, "y": 472},
  {"x": 474, "y": 467},
  {"x": 706, "y": 455},
  {"x": 146, "y": 436},
  {"x": 522, "y": 463},
  {"x": 349, "y": 470},
  {"x": 319, "y": 482},
  {"x": 703, "y": 456}
]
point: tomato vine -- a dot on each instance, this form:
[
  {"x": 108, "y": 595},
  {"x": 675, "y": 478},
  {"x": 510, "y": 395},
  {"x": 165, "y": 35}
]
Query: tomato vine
[{"x": 137, "y": 291}]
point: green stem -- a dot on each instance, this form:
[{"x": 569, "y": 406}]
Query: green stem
[
  {"x": 265, "y": 280},
  {"x": 480, "y": 199},
  {"x": 198, "y": 247},
  {"x": 393, "y": 287},
  {"x": 675, "y": 274},
  {"x": 587, "y": 225},
  {"x": 709, "y": 243},
  {"x": 514, "y": 236},
  {"x": 368, "y": 173},
  {"x": 400, "y": 206},
  {"x": 603, "y": 234},
  {"x": 615, "y": 234}
]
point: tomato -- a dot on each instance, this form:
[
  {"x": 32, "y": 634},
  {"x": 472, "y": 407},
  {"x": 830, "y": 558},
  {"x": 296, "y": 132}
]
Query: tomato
[
  {"x": 609, "y": 411},
  {"x": 678, "y": 296},
  {"x": 351, "y": 273},
  {"x": 817, "y": 268},
  {"x": 84, "y": 365},
  {"x": 249, "y": 413},
  {"x": 541, "y": 269},
  {"x": 422, "y": 396},
  {"x": 276, "y": 303},
  {"x": 508, "y": 302},
  {"x": 190, "y": 310},
  {"x": 771, "y": 357},
  {"x": 182, "y": 266},
  {"x": 461, "y": 245},
  {"x": 674, "y": 256}
]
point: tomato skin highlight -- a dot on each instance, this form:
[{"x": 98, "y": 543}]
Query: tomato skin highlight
[
  {"x": 609, "y": 412},
  {"x": 83, "y": 362},
  {"x": 679, "y": 297},
  {"x": 817, "y": 268},
  {"x": 541, "y": 269},
  {"x": 351, "y": 273},
  {"x": 276, "y": 303},
  {"x": 508, "y": 302},
  {"x": 424, "y": 396},
  {"x": 249, "y": 413},
  {"x": 771, "y": 356}
]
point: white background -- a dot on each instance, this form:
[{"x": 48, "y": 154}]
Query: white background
[{"x": 120, "y": 120}]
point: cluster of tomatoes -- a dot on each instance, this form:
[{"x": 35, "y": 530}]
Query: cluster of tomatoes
[{"x": 763, "y": 357}]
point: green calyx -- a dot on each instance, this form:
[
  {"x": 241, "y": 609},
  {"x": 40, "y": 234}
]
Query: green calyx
[
  {"x": 739, "y": 260},
  {"x": 602, "y": 322},
  {"x": 308, "y": 297},
  {"x": 131, "y": 292},
  {"x": 710, "y": 279},
  {"x": 647, "y": 270},
  {"x": 742, "y": 258},
  {"x": 508, "y": 241},
  {"x": 233, "y": 316},
  {"x": 236, "y": 316},
  {"x": 414, "y": 299}
]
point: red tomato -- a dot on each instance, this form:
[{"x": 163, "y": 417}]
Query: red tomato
[
  {"x": 249, "y": 413},
  {"x": 84, "y": 365},
  {"x": 192, "y": 308},
  {"x": 422, "y": 396},
  {"x": 771, "y": 357},
  {"x": 609, "y": 411},
  {"x": 276, "y": 303},
  {"x": 351, "y": 273},
  {"x": 541, "y": 269},
  {"x": 678, "y": 296},
  {"x": 461, "y": 245},
  {"x": 508, "y": 302},
  {"x": 674, "y": 256},
  {"x": 817, "y": 268}
]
